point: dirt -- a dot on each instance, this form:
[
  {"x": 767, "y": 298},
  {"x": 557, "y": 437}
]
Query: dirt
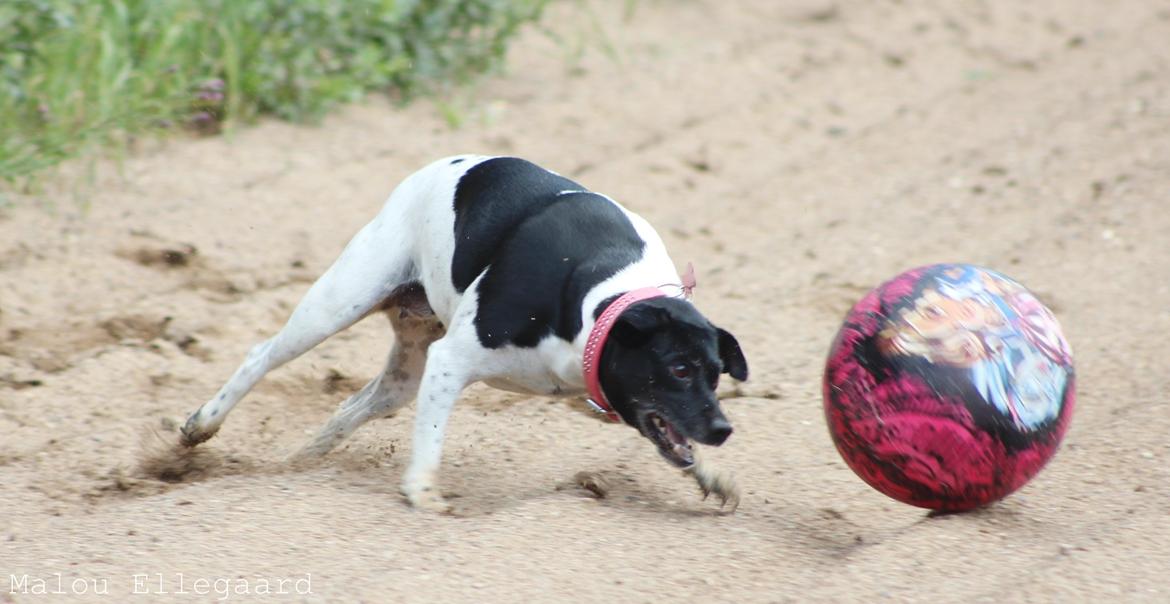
[{"x": 797, "y": 152}]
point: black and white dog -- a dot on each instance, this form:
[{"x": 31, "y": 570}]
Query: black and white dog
[{"x": 493, "y": 269}]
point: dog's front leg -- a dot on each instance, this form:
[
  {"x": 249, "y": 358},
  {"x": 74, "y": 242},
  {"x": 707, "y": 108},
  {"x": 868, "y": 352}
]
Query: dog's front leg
[
  {"x": 712, "y": 480},
  {"x": 445, "y": 376}
]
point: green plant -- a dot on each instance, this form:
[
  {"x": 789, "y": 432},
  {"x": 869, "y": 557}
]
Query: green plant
[{"x": 75, "y": 74}]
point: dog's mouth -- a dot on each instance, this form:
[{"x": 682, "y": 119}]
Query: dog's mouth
[{"x": 671, "y": 443}]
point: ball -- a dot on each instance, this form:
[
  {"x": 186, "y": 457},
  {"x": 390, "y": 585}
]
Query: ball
[{"x": 948, "y": 387}]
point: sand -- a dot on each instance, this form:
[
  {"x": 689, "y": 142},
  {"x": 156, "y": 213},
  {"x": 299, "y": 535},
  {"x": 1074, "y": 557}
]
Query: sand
[{"x": 797, "y": 152}]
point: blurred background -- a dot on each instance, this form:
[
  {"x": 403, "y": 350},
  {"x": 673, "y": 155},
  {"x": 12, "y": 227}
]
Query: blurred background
[{"x": 77, "y": 73}]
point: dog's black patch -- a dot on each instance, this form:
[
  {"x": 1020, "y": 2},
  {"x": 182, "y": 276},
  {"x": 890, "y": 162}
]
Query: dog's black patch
[
  {"x": 491, "y": 199},
  {"x": 543, "y": 249}
]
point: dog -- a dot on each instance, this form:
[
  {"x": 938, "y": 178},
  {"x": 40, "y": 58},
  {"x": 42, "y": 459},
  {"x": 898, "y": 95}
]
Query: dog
[{"x": 495, "y": 270}]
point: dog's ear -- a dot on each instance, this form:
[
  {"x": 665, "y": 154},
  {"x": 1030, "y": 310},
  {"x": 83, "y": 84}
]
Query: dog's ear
[
  {"x": 729, "y": 352},
  {"x": 634, "y": 326}
]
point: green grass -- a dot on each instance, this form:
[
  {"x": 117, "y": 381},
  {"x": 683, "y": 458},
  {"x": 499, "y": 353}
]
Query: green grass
[{"x": 77, "y": 75}]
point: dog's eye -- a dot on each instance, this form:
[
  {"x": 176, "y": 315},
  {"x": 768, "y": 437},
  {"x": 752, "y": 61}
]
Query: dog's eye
[{"x": 681, "y": 371}]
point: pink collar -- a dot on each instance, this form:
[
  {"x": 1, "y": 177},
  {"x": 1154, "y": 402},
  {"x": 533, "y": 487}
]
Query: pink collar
[
  {"x": 600, "y": 333},
  {"x": 596, "y": 342}
]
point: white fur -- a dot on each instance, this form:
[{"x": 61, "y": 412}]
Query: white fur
[{"x": 412, "y": 238}]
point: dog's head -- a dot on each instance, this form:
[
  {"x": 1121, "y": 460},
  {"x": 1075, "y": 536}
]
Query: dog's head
[{"x": 659, "y": 369}]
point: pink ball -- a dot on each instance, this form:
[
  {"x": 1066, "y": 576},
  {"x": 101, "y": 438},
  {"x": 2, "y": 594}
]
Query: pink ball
[{"x": 948, "y": 387}]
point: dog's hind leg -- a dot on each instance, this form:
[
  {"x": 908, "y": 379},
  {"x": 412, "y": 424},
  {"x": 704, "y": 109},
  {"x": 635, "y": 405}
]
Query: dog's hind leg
[
  {"x": 415, "y": 328},
  {"x": 359, "y": 281}
]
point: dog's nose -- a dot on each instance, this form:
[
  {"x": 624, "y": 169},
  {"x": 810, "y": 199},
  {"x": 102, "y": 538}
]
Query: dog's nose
[{"x": 719, "y": 431}]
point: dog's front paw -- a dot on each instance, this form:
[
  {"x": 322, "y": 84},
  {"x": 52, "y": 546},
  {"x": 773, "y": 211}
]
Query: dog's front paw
[
  {"x": 422, "y": 495},
  {"x": 429, "y": 501},
  {"x": 721, "y": 484}
]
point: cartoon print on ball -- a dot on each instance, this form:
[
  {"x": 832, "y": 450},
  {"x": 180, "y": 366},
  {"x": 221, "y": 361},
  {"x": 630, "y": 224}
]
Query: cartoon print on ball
[
  {"x": 1007, "y": 341},
  {"x": 948, "y": 387}
]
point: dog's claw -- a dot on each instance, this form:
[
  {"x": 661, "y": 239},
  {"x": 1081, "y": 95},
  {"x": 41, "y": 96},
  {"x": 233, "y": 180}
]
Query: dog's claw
[
  {"x": 429, "y": 501},
  {"x": 192, "y": 433}
]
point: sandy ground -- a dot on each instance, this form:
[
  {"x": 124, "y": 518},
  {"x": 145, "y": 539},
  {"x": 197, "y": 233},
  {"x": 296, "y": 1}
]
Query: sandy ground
[{"x": 798, "y": 152}]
